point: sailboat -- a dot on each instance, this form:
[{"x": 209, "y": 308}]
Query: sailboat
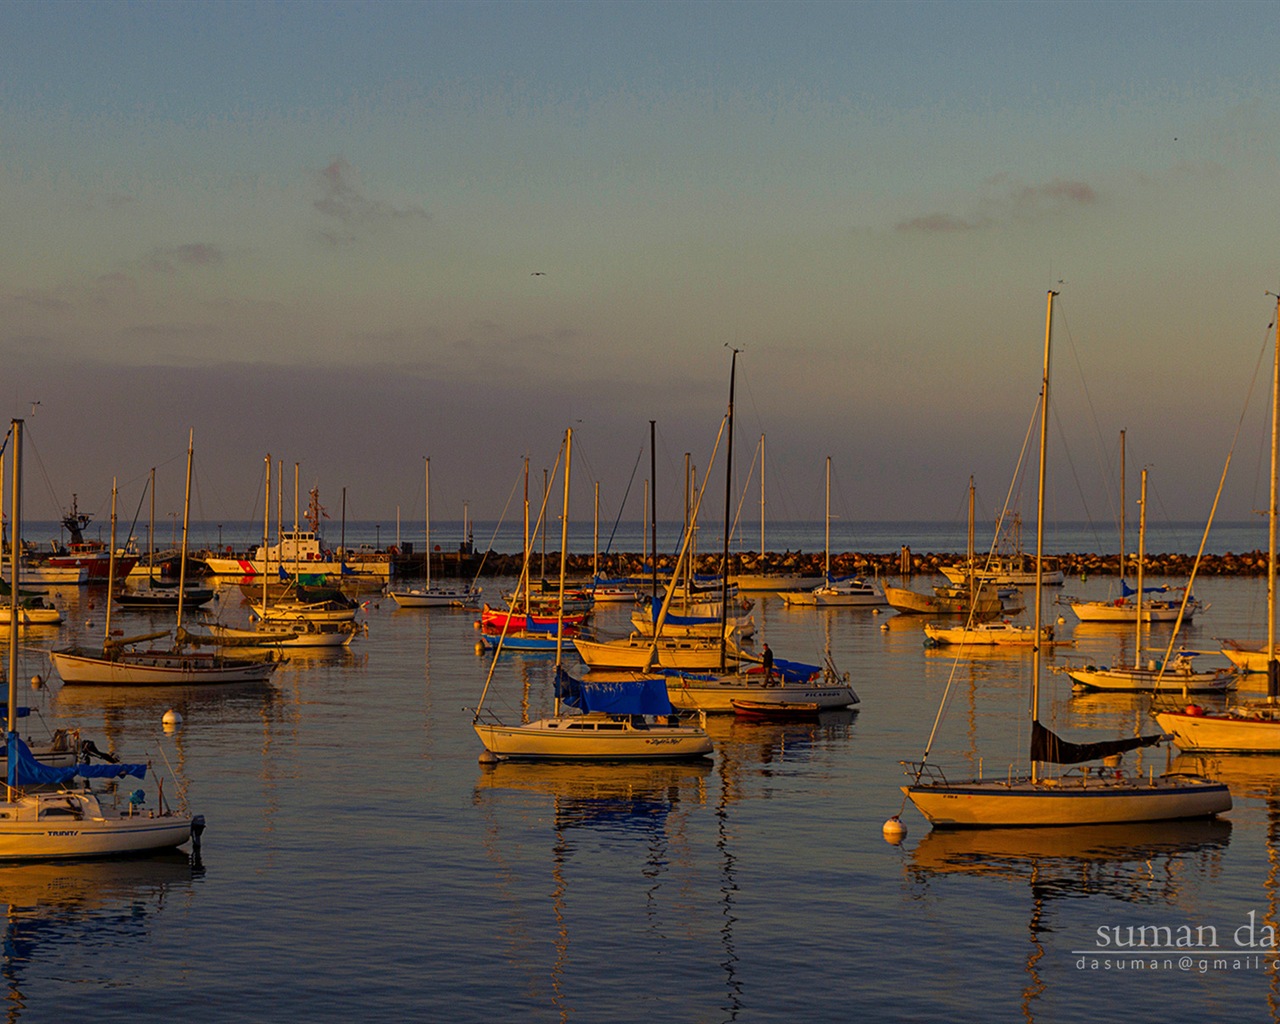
[
  {"x": 119, "y": 663},
  {"x": 1039, "y": 799},
  {"x": 627, "y": 719},
  {"x": 1178, "y": 675},
  {"x": 272, "y": 632},
  {"x": 656, "y": 648},
  {"x": 1252, "y": 726},
  {"x": 428, "y": 596},
  {"x": 46, "y": 823},
  {"x": 1133, "y": 605},
  {"x": 152, "y": 594},
  {"x": 845, "y": 592}
]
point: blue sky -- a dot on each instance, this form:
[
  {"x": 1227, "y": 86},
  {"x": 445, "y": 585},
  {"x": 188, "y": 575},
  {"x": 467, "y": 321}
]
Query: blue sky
[{"x": 352, "y": 235}]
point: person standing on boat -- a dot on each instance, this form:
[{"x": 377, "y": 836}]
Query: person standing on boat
[{"x": 767, "y": 661}]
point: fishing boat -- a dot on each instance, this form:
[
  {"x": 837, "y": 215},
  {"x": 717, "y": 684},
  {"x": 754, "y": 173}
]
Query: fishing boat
[
  {"x": 45, "y": 820},
  {"x": 118, "y": 662},
  {"x": 92, "y": 556},
  {"x": 1245, "y": 726},
  {"x": 1038, "y": 798},
  {"x": 428, "y": 596},
  {"x": 628, "y": 719}
]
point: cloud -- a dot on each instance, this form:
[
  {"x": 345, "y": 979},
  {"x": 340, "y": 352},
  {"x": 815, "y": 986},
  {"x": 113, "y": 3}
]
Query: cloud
[
  {"x": 170, "y": 259},
  {"x": 344, "y": 201},
  {"x": 1002, "y": 201}
]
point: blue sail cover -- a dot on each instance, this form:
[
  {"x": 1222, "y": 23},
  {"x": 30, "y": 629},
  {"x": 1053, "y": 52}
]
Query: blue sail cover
[
  {"x": 626, "y": 697},
  {"x": 1128, "y": 591},
  {"x": 682, "y": 620},
  {"x": 25, "y": 770},
  {"x": 787, "y": 671}
]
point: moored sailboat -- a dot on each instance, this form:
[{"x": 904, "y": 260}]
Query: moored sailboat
[
  {"x": 1040, "y": 799},
  {"x": 629, "y": 719},
  {"x": 41, "y": 822}
]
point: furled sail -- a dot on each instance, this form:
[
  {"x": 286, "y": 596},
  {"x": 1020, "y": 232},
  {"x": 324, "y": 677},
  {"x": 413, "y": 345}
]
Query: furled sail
[{"x": 1053, "y": 749}]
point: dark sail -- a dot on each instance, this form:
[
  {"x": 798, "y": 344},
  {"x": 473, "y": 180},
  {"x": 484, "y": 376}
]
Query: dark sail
[{"x": 1046, "y": 746}]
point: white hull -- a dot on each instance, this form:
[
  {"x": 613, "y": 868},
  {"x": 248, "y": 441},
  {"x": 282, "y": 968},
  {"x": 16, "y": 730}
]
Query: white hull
[
  {"x": 959, "y": 575},
  {"x": 836, "y": 595},
  {"x": 156, "y": 668},
  {"x": 774, "y": 584},
  {"x": 1126, "y": 611},
  {"x": 717, "y": 696},
  {"x": 31, "y": 616},
  {"x": 295, "y": 611},
  {"x": 593, "y": 736},
  {"x": 433, "y": 598},
  {"x": 742, "y": 626},
  {"x": 51, "y": 826},
  {"x": 1247, "y": 728},
  {"x": 980, "y": 634},
  {"x": 1150, "y": 680},
  {"x": 46, "y": 575},
  {"x": 1082, "y": 800},
  {"x": 634, "y": 653},
  {"x": 305, "y": 635}
]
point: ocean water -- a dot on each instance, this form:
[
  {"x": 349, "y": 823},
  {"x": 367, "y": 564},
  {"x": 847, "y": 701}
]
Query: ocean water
[
  {"x": 359, "y": 861},
  {"x": 634, "y": 537}
]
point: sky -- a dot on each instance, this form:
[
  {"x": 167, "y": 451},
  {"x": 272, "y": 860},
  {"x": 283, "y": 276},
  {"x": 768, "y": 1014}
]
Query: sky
[{"x": 352, "y": 236}]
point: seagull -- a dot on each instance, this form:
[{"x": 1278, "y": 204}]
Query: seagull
[{"x": 539, "y": 273}]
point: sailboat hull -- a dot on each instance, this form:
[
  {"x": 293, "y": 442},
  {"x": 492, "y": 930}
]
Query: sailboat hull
[
  {"x": 593, "y": 737},
  {"x": 1151, "y": 680},
  {"x": 143, "y": 668},
  {"x": 717, "y": 696},
  {"x": 1246, "y": 729},
  {"x": 1086, "y": 800},
  {"x": 60, "y": 825}
]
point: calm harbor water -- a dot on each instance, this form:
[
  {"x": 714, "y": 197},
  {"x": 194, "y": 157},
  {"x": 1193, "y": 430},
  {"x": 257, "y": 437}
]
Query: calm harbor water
[{"x": 359, "y": 861}]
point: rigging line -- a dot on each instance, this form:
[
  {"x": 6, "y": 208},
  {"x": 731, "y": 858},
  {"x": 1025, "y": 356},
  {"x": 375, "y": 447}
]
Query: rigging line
[
  {"x": 612, "y": 533},
  {"x": 497, "y": 526},
  {"x": 1222, "y": 480},
  {"x": 524, "y": 573}
]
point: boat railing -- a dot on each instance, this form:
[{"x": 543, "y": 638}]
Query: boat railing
[{"x": 926, "y": 771}]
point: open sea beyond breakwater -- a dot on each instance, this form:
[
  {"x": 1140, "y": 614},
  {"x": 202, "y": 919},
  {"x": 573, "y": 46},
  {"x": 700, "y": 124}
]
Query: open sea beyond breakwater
[
  {"x": 630, "y": 537},
  {"x": 359, "y": 862}
]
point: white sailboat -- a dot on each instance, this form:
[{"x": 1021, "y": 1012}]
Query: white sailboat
[
  {"x": 628, "y": 719},
  {"x": 119, "y": 663},
  {"x": 40, "y": 822},
  {"x": 1177, "y": 675},
  {"x": 428, "y": 596},
  {"x": 846, "y": 592},
  {"x": 1252, "y": 726},
  {"x": 1039, "y": 799},
  {"x": 1134, "y": 605}
]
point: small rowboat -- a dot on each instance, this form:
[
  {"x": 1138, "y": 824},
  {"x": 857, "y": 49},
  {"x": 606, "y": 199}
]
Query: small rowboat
[{"x": 775, "y": 708}]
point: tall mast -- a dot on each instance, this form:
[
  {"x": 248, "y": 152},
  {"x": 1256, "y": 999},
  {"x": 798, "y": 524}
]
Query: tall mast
[
  {"x": 426, "y": 492},
  {"x": 826, "y": 560},
  {"x": 1142, "y": 557},
  {"x": 1044, "y": 445},
  {"x": 564, "y": 549},
  {"x": 762, "y": 495},
  {"x": 186, "y": 523},
  {"x": 653, "y": 519},
  {"x": 266, "y": 532},
  {"x": 15, "y": 521},
  {"x": 1123, "y": 508},
  {"x": 1273, "y": 668},
  {"x": 728, "y": 485}
]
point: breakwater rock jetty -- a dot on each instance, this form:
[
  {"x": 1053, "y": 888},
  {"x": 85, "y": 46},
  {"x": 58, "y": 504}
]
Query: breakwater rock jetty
[{"x": 1250, "y": 563}]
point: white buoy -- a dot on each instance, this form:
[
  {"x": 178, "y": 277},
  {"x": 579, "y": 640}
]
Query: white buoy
[
  {"x": 894, "y": 830},
  {"x": 884, "y": 627},
  {"x": 37, "y": 682},
  {"x": 1062, "y": 620},
  {"x": 171, "y": 719},
  {"x": 488, "y": 757},
  {"x": 479, "y": 647}
]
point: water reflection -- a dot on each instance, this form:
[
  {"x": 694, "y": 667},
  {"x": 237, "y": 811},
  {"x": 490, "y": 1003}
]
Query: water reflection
[
  {"x": 1136, "y": 863},
  {"x": 59, "y": 912}
]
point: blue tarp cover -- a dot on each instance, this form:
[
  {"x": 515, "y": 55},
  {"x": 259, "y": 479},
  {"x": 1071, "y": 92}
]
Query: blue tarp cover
[
  {"x": 25, "y": 770},
  {"x": 646, "y": 696},
  {"x": 1129, "y": 591}
]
